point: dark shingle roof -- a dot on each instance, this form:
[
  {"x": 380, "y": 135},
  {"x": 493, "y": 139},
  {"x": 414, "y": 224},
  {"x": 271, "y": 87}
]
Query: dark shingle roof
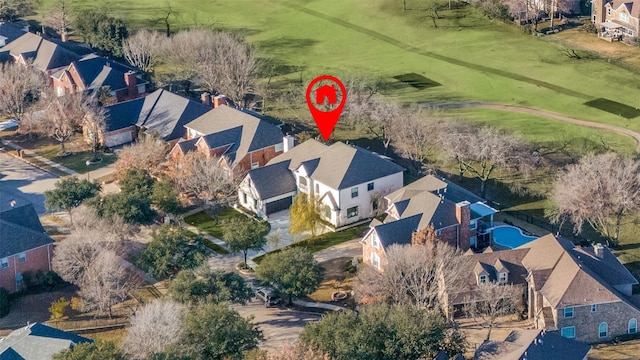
[
  {"x": 398, "y": 232},
  {"x": 21, "y": 230},
  {"x": 10, "y": 31},
  {"x": 273, "y": 180},
  {"x": 161, "y": 112},
  {"x": 187, "y": 145},
  {"x": 536, "y": 344},
  {"x": 38, "y": 342},
  {"x": 230, "y": 137},
  {"x": 96, "y": 72},
  {"x": 46, "y": 54}
]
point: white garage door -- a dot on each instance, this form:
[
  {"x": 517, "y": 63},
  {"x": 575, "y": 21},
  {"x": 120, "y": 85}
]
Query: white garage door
[{"x": 116, "y": 139}]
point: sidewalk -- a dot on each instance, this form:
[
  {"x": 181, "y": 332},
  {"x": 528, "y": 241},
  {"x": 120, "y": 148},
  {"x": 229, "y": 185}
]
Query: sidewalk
[{"x": 27, "y": 154}]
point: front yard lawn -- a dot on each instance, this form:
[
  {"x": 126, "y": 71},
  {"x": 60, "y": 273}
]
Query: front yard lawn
[
  {"x": 210, "y": 244},
  {"x": 336, "y": 278},
  {"x": 77, "y": 160},
  {"x": 209, "y": 225}
]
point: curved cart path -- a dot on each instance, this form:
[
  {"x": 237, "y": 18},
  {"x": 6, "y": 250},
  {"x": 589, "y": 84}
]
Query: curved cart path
[{"x": 550, "y": 115}]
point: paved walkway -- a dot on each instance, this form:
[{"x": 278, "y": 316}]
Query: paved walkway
[
  {"x": 28, "y": 154},
  {"x": 351, "y": 248}
]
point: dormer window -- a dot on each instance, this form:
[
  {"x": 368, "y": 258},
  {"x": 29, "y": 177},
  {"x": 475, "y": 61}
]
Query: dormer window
[
  {"x": 482, "y": 279},
  {"x": 503, "y": 278},
  {"x": 623, "y": 16}
]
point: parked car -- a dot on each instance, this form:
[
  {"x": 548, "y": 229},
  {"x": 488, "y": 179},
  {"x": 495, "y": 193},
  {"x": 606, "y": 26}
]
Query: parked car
[
  {"x": 268, "y": 296},
  {"x": 8, "y": 124}
]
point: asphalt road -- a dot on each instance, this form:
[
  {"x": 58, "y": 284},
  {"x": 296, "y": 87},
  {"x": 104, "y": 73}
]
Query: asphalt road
[
  {"x": 278, "y": 325},
  {"x": 23, "y": 183}
]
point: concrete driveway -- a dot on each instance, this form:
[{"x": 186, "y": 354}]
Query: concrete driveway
[
  {"x": 23, "y": 183},
  {"x": 279, "y": 326}
]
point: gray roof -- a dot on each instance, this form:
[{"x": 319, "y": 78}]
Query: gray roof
[
  {"x": 46, "y": 54},
  {"x": 338, "y": 166},
  {"x": 273, "y": 180},
  {"x": 251, "y": 131},
  {"x": 10, "y": 31},
  {"x": 161, "y": 112},
  {"x": 96, "y": 71},
  {"x": 532, "y": 345},
  {"x": 187, "y": 145},
  {"x": 21, "y": 230},
  {"x": 38, "y": 342},
  {"x": 397, "y": 232}
]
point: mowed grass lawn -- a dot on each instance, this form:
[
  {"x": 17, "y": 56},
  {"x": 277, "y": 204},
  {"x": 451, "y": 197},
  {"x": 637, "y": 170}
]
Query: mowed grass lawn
[
  {"x": 472, "y": 57},
  {"x": 211, "y": 226}
]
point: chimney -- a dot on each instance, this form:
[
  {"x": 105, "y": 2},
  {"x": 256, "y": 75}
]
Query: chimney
[
  {"x": 598, "y": 249},
  {"x": 64, "y": 37},
  {"x": 219, "y": 100},
  {"x": 288, "y": 142},
  {"x": 205, "y": 97},
  {"x": 463, "y": 215},
  {"x": 132, "y": 84}
]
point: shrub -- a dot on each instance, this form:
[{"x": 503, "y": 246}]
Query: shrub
[
  {"x": 77, "y": 304},
  {"x": 5, "y": 306},
  {"x": 590, "y": 28},
  {"x": 58, "y": 308}
]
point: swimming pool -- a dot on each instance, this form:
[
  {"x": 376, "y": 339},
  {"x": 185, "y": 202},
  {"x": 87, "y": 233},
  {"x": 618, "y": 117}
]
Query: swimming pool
[{"x": 510, "y": 236}]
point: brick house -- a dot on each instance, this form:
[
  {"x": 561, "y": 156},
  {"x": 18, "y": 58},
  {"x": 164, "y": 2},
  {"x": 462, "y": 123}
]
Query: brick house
[
  {"x": 46, "y": 55},
  {"x": 92, "y": 73},
  {"x": 161, "y": 112},
  {"x": 25, "y": 247},
  {"x": 616, "y": 19},
  {"x": 347, "y": 180},
  {"x": 460, "y": 218},
  {"x": 242, "y": 138},
  {"x": 582, "y": 293}
]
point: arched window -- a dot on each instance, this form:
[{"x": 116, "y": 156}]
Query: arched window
[
  {"x": 603, "y": 330},
  {"x": 633, "y": 326}
]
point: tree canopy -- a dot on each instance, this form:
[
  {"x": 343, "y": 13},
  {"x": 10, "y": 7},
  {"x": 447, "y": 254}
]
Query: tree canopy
[
  {"x": 304, "y": 214},
  {"x": 244, "y": 234},
  {"x": 204, "y": 284},
  {"x": 101, "y": 30},
  {"x": 293, "y": 271},
  {"x": 171, "y": 250},
  {"x": 384, "y": 332},
  {"x": 98, "y": 350},
  {"x": 70, "y": 192}
]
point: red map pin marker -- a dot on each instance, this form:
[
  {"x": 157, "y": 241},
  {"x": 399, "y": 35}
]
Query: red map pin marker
[{"x": 323, "y": 94}]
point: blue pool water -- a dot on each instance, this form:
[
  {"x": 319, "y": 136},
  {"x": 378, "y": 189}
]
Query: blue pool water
[{"x": 510, "y": 236}]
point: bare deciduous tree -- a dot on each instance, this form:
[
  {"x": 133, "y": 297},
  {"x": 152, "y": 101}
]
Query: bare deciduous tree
[
  {"x": 18, "y": 86},
  {"x": 94, "y": 127},
  {"x": 64, "y": 116},
  {"x": 144, "y": 49},
  {"x": 414, "y": 134},
  {"x": 146, "y": 154},
  {"x": 221, "y": 62},
  {"x": 414, "y": 275},
  {"x": 491, "y": 301},
  {"x": 600, "y": 190},
  {"x": 481, "y": 151},
  {"x": 293, "y": 352},
  {"x": 426, "y": 236},
  {"x": 154, "y": 327},
  {"x": 60, "y": 18},
  {"x": 207, "y": 178}
]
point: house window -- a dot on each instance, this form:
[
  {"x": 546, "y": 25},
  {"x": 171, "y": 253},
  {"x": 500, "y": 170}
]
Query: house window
[
  {"x": 568, "y": 313},
  {"x": 623, "y": 16},
  {"x": 503, "y": 278},
  {"x": 5, "y": 263},
  {"x": 483, "y": 279},
  {"x": 317, "y": 188},
  {"x": 568, "y": 332},
  {"x": 370, "y": 186},
  {"x": 278, "y": 147},
  {"x": 59, "y": 90},
  {"x": 141, "y": 88},
  {"x": 603, "y": 330},
  {"x": 473, "y": 225},
  {"x": 594, "y": 307},
  {"x": 374, "y": 204},
  {"x": 327, "y": 211},
  {"x": 255, "y": 165},
  {"x": 352, "y": 212},
  {"x": 633, "y": 326},
  {"x": 375, "y": 260},
  {"x": 255, "y": 204},
  {"x": 354, "y": 192},
  {"x": 375, "y": 241},
  {"x": 244, "y": 197},
  {"x": 302, "y": 181},
  {"x": 22, "y": 257},
  {"x": 19, "y": 280}
]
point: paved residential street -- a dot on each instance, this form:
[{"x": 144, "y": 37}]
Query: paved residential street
[
  {"x": 23, "y": 183},
  {"x": 278, "y": 326}
]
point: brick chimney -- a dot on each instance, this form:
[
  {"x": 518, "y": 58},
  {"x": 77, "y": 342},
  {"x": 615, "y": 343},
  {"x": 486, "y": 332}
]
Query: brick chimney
[
  {"x": 132, "y": 84},
  {"x": 64, "y": 37},
  {"x": 463, "y": 215},
  {"x": 205, "y": 97},
  {"x": 598, "y": 250},
  {"x": 219, "y": 100}
]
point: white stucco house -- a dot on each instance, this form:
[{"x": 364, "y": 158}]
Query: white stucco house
[{"x": 348, "y": 180}]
